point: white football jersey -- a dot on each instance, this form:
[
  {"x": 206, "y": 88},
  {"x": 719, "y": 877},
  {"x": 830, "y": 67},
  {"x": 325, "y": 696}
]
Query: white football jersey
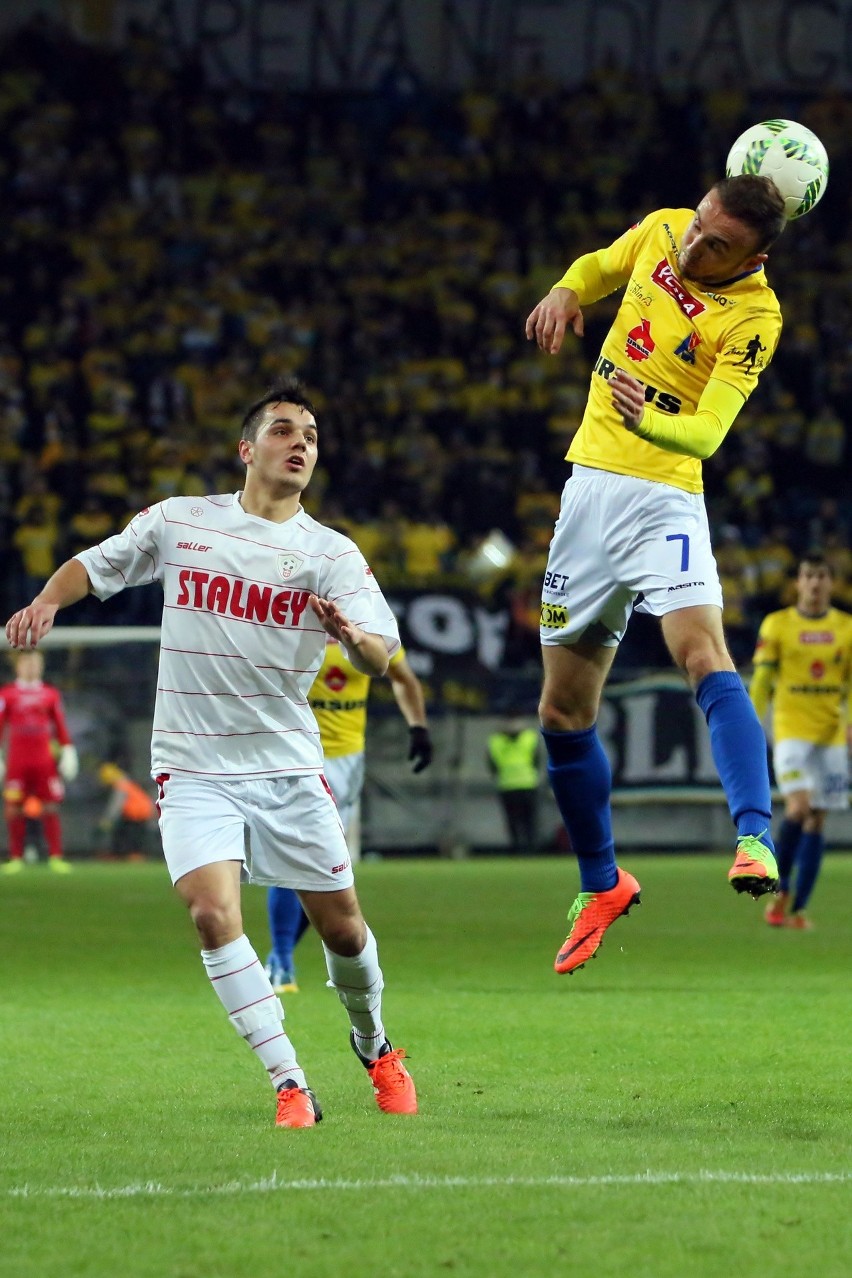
[{"x": 240, "y": 645}]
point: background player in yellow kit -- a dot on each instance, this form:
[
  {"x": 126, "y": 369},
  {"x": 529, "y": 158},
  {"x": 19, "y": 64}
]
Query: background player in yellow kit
[
  {"x": 338, "y": 698},
  {"x": 802, "y": 666},
  {"x": 697, "y": 324}
]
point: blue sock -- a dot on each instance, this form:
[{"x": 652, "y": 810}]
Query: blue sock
[
  {"x": 581, "y": 780},
  {"x": 808, "y": 860},
  {"x": 287, "y": 922},
  {"x": 738, "y": 745},
  {"x": 785, "y": 851}
]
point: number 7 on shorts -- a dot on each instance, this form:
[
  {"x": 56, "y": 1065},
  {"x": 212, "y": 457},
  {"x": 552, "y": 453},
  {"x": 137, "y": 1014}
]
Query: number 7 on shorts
[{"x": 684, "y": 550}]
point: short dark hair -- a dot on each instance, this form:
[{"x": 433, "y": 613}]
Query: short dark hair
[
  {"x": 288, "y": 391},
  {"x": 816, "y": 559},
  {"x": 757, "y": 202}
]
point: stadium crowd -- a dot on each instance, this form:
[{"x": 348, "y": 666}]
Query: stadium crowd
[{"x": 167, "y": 256}]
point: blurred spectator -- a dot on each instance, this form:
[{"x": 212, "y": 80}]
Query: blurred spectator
[{"x": 203, "y": 238}]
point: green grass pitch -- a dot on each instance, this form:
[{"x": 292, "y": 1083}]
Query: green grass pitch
[{"x": 678, "y": 1109}]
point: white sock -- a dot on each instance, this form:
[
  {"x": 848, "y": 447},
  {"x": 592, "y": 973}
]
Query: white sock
[
  {"x": 359, "y": 985},
  {"x": 243, "y": 988}
]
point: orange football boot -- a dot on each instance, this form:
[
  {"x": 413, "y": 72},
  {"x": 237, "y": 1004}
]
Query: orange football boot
[
  {"x": 754, "y": 869},
  {"x": 393, "y": 1086},
  {"x": 799, "y": 922},
  {"x": 297, "y": 1106},
  {"x": 590, "y": 916},
  {"x": 776, "y": 911}
]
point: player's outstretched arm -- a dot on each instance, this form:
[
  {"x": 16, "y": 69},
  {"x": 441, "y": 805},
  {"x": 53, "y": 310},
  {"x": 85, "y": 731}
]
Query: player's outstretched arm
[
  {"x": 69, "y": 584},
  {"x": 408, "y": 693},
  {"x": 368, "y": 653},
  {"x": 548, "y": 322}
]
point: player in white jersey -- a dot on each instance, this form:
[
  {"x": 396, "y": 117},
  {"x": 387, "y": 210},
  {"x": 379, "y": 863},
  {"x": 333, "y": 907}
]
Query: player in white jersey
[{"x": 252, "y": 585}]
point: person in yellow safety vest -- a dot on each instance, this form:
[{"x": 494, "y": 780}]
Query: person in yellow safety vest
[{"x": 513, "y": 758}]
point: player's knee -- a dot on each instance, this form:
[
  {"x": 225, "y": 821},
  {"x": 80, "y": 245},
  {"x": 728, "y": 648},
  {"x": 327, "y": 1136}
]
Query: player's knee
[
  {"x": 345, "y": 935},
  {"x": 701, "y": 658},
  {"x": 216, "y": 921},
  {"x": 797, "y": 810},
  {"x": 565, "y": 715}
]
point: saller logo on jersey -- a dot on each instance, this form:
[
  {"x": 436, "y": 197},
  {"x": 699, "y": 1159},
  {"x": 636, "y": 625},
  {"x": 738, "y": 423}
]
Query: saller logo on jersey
[
  {"x": 665, "y": 278},
  {"x": 243, "y": 599}
]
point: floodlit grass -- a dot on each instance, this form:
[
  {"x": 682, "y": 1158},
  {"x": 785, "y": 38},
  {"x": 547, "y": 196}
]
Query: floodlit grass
[{"x": 647, "y": 1117}]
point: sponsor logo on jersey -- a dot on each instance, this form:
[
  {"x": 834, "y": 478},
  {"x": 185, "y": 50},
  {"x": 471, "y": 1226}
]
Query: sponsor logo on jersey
[
  {"x": 288, "y": 563},
  {"x": 751, "y": 356},
  {"x": 233, "y": 597},
  {"x": 335, "y": 678},
  {"x": 663, "y": 400},
  {"x": 192, "y": 545},
  {"x": 817, "y": 670},
  {"x": 686, "y": 349},
  {"x": 198, "y": 511},
  {"x": 337, "y": 706},
  {"x": 556, "y": 581},
  {"x": 664, "y": 277},
  {"x": 816, "y": 636},
  {"x": 344, "y": 865},
  {"x": 553, "y": 616},
  {"x": 640, "y": 343},
  {"x": 685, "y": 585},
  {"x": 636, "y": 290}
]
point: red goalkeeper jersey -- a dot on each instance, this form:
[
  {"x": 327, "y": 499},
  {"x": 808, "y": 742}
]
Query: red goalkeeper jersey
[{"x": 31, "y": 717}]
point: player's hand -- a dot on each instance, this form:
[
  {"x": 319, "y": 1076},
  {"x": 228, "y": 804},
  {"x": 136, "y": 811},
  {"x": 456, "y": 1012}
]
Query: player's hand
[
  {"x": 336, "y": 623},
  {"x": 628, "y": 398},
  {"x": 548, "y": 322},
  {"x": 419, "y": 748},
  {"x": 68, "y": 765},
  {"x": 30, "y": 624}
]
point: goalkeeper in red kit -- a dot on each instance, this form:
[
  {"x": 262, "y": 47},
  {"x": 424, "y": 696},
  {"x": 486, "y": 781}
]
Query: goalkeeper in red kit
[{"x": 31, "y": 720}]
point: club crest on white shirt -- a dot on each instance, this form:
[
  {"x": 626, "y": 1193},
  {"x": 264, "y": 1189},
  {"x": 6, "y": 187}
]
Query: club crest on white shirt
[{"x": 288, "y": 563}]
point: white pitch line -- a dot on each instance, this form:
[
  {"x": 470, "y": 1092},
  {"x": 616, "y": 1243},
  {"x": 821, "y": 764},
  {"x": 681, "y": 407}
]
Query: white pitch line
[{"x": 272, "y": 1184}]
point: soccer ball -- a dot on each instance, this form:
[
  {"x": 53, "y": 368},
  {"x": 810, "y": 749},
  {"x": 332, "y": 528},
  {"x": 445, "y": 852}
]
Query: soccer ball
[{"x": 788, "y": 153}]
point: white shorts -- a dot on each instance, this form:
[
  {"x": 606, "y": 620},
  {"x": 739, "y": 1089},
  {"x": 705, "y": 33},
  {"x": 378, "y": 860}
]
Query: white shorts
[
  {"x": 285, "y": 830},
  {"x": 621, "y": 542},
  {"x": 345, "y": 775},
  {"x": 822, "y": 770}
]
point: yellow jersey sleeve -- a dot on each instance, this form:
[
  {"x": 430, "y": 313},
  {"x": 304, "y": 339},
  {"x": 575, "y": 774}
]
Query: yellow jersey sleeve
[
  {"x": 761, "y": 688},
  {"x": 698, "y": 434},
  {"x": 767, "y": 651},
  {"x": 596, "y": 275}
]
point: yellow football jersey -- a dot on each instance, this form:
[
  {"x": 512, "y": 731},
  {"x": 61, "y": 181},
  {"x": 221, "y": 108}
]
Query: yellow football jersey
[
  {"x": 811, "y": 660},
  {"x": 338, "y": 698},
  {"x": 674, "y": 337}
]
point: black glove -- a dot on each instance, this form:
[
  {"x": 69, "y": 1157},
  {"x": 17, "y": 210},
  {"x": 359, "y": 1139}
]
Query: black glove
[{"x": 419, "y": 748}]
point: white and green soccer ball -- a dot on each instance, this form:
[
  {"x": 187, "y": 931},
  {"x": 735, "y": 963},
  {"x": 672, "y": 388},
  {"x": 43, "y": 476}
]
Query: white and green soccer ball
[{"x": 788, "y": 153}]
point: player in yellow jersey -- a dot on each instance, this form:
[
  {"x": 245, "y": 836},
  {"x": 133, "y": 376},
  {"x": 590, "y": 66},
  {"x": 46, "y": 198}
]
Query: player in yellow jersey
[
  {"x": 338, "y": 698},
  {"x": 696, "y": 326},
  {"x": 802, "y": 666}
]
